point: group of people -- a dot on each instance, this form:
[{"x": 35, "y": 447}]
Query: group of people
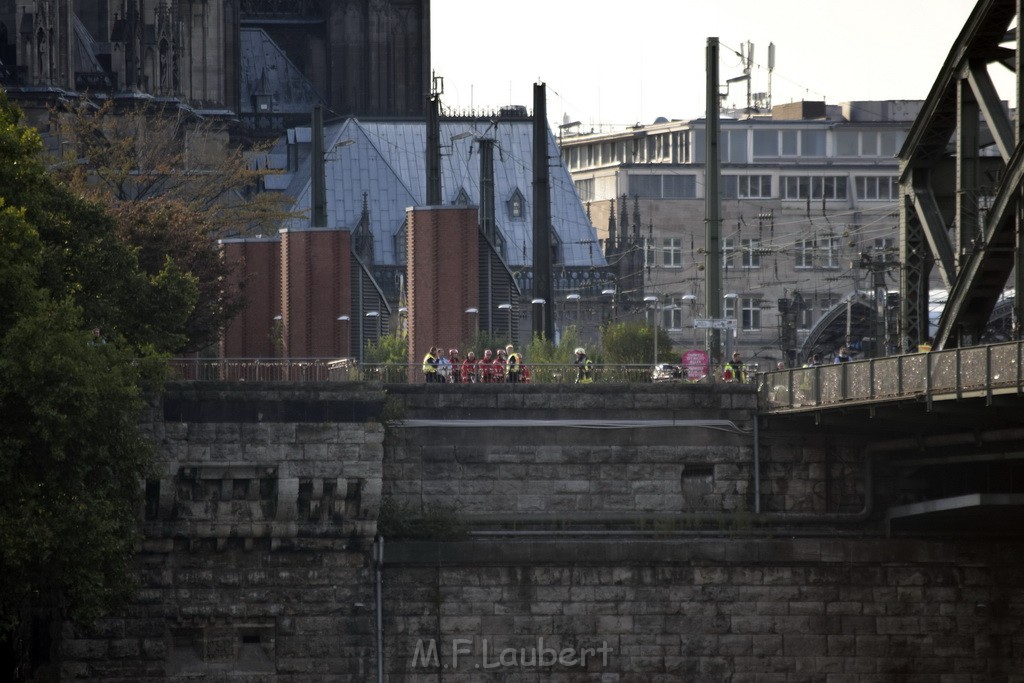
[{"x": 505, "y": 366}]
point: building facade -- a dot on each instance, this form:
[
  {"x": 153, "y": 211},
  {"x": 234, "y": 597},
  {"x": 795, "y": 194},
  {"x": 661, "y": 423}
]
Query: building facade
[{"x": 808, "y": 221}]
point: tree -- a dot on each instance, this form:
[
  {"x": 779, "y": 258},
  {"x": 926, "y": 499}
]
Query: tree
[
  {"x": 633, "y": 343},
  {"x": 71, "y": 455},
  {"x": 175, "y": 185}
]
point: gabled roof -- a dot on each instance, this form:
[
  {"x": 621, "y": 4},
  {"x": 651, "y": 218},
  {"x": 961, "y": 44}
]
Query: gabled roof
[
  {"x": 267, "y": 70},
  {"x": 387, "y": 160}
]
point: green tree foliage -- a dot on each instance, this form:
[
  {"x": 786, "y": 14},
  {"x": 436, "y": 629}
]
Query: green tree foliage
[
  {"x": 633, "y": 343},
  {"x": 174, "y": 184},
  {"x": 71, "y": 456},
  {"x": 391, "y": 349}
]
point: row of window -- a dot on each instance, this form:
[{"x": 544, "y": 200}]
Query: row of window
[
  {"x": 747, "y": 312},
  {"x": 807, "y": 253},
  {"x": 665, "y": 186},
  {"x": 736, "y": 146}
]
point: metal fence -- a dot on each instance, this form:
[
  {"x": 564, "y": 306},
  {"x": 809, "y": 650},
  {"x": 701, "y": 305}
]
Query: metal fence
[
  {"x": 970, "y": 371},
  {"x": 348, "y": 370}
]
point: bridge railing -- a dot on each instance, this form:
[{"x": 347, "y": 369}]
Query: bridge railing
[
  {"x": 350, "y": 370},
  {"x": 970, "y": 370}
]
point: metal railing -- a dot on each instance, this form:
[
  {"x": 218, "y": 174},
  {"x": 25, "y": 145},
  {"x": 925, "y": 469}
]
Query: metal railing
[
  {"x": 969, "y": 371},
  {"x": 349, "y": 370}
]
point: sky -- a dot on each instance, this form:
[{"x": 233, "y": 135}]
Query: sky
[{"x": 621, "y": 63}]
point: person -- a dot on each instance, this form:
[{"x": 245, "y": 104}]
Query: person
[
  {"x": 469, "y": 369},
  {"x": 444, "y": 370},
  {"x": 514, "y": 365},
  {"x": 498, "y": 367},
  {"x": 815, "y": 359},
  {"x": 734, "y": 369},
  {"x": 430, "y": 365},
  {"x": 584, "y": 367},
  {"x": 486, "y": 367},
  {"x": 456, "y": 363},
  {"x": 781, "y": 365},
  {"x": 842, "y": 356}
]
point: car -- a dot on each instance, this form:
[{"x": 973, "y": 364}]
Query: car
[{"x": 666, "y": 372}]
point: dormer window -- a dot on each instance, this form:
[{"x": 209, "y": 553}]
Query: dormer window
[
  {"x": 516, "y": 205},
  {"x": 462, "y": 199}
]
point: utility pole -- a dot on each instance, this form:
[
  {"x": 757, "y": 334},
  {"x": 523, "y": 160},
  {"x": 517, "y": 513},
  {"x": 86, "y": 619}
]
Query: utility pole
[
  {"x": 712, "y": 221},
  {"x": 543, "y": 323}
]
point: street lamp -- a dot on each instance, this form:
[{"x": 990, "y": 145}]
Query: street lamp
[
  {"x": 507, "y": 307},
  {"x": 653, "y": 300},
  {"x": 344, "y": 319},
  {"x": 542, "y": 302},
  {"x": 610, "y": 292},
  {"x": 375, "y": 314},
  {"x": 575, "y": 297}
]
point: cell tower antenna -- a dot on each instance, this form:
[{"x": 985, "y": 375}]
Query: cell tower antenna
[{"x": 771, "y": 68}]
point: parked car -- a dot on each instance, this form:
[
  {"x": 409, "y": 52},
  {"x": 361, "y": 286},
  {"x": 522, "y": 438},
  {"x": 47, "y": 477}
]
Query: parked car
[{"x": 666, "y": 372}]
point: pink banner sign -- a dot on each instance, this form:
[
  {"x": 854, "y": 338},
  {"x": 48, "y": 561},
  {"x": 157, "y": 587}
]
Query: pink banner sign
[{"x": 696, "y": 363}]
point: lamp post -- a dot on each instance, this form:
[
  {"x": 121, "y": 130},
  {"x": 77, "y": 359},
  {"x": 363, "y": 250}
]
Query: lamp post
[
  {"x": 691, "y": 300},
  {"x": 507, "y": 307},
  {"x": 610, "y": 292},
  {"x": 729, "y": 338},
  {"x": 472, "y": 310},
  {"x": 375, "y": 314},
  {"x": 653, "y": 302},
  {"x": 277, "y": 335},
  {"x": 344, "y": 346},
  {"x": 542, "y": 302},
  {"x": 575, "y": 297}
]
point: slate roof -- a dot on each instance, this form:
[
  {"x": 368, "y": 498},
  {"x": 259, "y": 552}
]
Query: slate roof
[
  {"x": 387, "y": 160},
  {"x": 267, "y": 70}
]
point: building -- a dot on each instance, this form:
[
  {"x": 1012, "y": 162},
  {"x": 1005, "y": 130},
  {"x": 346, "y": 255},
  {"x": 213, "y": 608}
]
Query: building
[
  {"x": 375, "y": 174},
  {"x": 263, "y": 61},
  {"x": 809, "y": 221}
]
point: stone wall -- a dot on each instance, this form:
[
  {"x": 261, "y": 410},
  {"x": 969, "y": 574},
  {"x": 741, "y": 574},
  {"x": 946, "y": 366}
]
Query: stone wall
[
  {"x": 737, "y": 609},
  {"x": 257, "y": 564},
  {"x": 257, "y": 530}
]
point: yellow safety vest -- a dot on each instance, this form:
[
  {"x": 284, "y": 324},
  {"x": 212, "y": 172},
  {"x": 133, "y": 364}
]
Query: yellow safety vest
[{"x": 429, "y": 367}]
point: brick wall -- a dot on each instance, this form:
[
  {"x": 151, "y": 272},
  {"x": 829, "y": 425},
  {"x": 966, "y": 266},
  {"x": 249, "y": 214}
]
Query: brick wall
[
  {"x": 256, "y": 273},
  {"x": 443, "y": 253},
  {"x": 315, "y": 277}
]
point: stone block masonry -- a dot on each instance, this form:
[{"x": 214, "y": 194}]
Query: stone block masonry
[
  {"x": 256, "y": 562},
  {"x": 633, "y": 611}
]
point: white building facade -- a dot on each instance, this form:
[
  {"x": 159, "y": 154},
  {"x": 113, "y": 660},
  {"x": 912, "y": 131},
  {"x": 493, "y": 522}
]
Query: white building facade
[{"x": 809, "y": 200}]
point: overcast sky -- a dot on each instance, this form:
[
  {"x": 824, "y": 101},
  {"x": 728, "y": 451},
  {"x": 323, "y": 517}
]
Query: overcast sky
[{"x": 631, "y": 61}]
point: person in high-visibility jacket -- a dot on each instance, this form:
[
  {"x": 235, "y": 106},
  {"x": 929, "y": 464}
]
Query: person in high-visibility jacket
[
  {"x": 513, "y": 365},
  {"x": 430, "y": 365},
  {"x": 584, "y": 367}
]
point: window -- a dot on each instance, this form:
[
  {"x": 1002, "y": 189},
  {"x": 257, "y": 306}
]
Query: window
[
  {"x": 874, "y": 187},
  {"x": 730, "y": 187},
  {"x": 734, "y": 146},
  {"x": 813, "y": 143},
  {"x": 805, "y": 317},
  {"x": 755, "y": 186},
  {"x": 672, "y": 252},
  {"x": 827, "y": 303},
  {"x": 516, "y": 205},
  {"x": 830, "y": 252},
  {"x": 672, "y": 316},
  {"x": 646, "y": 186},
  {"x": 750, "y": 314},
  {"x": 869, "y": 144},
  {"x": 813, "y": 187},
  {"x": 885, "y": 245},
  {"x": 766, "y": 143},
  {"x": 585, "y": 189},
  {"x": 680, "y": 187},
  {"x": 751, "y": 253},
  {"x": 462, "y": 199},
  {"x": 728, "y": 246},
  {"x": 890, "y": 143},
  {"x": 847, "y": 143},
  {"x": 729, "y": 310},
  {"x": 803, "y": 253},
  {"x": 790, "y": 143}
]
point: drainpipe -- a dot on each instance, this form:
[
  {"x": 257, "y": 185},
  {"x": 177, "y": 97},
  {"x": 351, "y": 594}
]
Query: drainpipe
[
  {"x": 378, "y": 551},
  {"x": 757, "y": 468}
]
